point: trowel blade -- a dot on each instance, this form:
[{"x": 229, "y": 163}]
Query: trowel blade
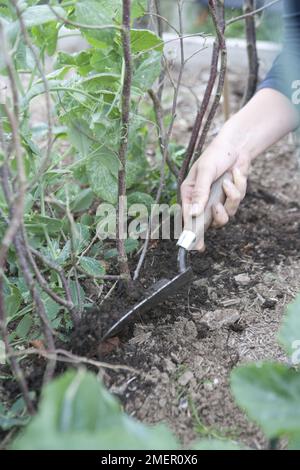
[{"x": 160, "y": 291}]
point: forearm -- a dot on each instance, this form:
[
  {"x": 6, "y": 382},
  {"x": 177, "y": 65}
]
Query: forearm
[{"x": 267, "y": 118}]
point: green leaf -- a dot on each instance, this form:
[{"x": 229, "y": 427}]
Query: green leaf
[
  {"x": 63, "y": 58},
  {"x": 64, "y": 254},
  {"x": 140, "y": 198},
  {"x": 289, "y": 333},
  {"x": 24, "y": 326},
  {"x": 102, "y": 170},
  {"x": 98, "y": 82},
  {"x": 102, "y": 182},
  {"x": 82, "y": 201},
  {"x": 146, "y": 72},
  {"x": 97, "y": 12},
  {"x": 131, "y": 245},
  {"x": 138, "y": 8},
  {"x": 38, "y": 224},
  {"x": 40, "y": 14},
  {"x": 82, "y": 237},
  {"x": 76, "y": 412},
  {"x": 46, "y": 37},
  {"x": 78, "y": 133},
  {"x": 92, "y": 266},
  {"x": 105, "y": 60},
  {"x": 12, "y": 301},
  {"x": 77, "y": 299},
  {"x": 142, "y": 40},
  {"x": 2, "y": 352},
  {"x": 133, "y": 171},
  {"x": 13, "y": 417},
  {"x": 51, "y": 307},
  {"x": 270, "y": 395}
]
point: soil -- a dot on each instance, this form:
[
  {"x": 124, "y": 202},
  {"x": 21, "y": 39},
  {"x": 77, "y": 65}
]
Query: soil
[{"x": 184, "y": 350}]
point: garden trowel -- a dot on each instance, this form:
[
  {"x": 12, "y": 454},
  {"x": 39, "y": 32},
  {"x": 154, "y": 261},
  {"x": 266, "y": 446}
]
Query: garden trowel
[{"x": 165, "y": 288}]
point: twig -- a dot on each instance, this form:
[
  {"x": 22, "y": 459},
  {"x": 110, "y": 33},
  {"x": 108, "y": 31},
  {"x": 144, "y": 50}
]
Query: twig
[
  {"x": 200, "y": 115},
  {"x": 253, "y": 63},
  {"x": 70, "y": 358},
  {"x": 252, "y": 13},
  {"x": 220, "y": 27},
  {"x": 29, "y": 280},
  {"x": 161, "y": 19},
  {"x": 74, "y": 313},
  {"x": 126, "y": 101},
  {"x": 161, "y": 131},
  {"x": 18, "y": 205},
  {"x": 166, "y": 139},
  {"x": 39, "y": 67},
  {"x": 40, "y": 308},
  {"x": 68, "y": 304},
  {"x": 160, "y": 30},
  {"x": 104, "y": 277},
  {"x": 16, "y": 214},
  {"x": 16, "y": 369},
  {"x": 96, "y": 27}
]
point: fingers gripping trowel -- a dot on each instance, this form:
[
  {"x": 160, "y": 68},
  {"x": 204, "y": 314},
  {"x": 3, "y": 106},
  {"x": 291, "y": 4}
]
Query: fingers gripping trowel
[{"x": 164, "y": 288}]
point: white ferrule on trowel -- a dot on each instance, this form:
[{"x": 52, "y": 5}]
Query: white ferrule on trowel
[
  {"x": 197, "y": 226},
  {"x": 186, "y": 239}
]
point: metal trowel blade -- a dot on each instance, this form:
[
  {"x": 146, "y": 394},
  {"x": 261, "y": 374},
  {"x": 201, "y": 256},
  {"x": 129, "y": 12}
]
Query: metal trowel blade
[{"x": 160, "y": 291}]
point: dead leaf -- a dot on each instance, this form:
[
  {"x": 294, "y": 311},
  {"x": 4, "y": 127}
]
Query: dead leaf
[
  {"x": 38, "y": 344},
  {"x": 108, "y": 346}
]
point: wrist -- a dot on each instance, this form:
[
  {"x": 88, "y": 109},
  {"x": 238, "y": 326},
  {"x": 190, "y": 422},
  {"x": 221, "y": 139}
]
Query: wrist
[
  {"x": 232, "y": 150},
  {"x": 238, "y": 141}
]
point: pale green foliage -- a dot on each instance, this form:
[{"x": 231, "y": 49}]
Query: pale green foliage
[
  {"x": 270, "y": 392},
  {"x": 289, "y": 333},
  {"x": 76, "y": 412}
]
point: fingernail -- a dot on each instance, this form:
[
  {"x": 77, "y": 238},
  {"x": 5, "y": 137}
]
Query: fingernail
[{"x": 195, "y": 209}]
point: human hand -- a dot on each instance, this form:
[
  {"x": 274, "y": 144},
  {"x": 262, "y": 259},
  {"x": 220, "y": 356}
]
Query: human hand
[{"x": 195, "y": 190}]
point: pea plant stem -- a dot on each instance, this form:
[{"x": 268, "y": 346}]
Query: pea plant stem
[
  {"x": 126, "y": 100},
  {"x": 253, "y": 64},
  {"x": 219, "y": 52}
]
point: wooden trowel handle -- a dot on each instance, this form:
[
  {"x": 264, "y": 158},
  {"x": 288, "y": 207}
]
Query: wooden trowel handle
[{"x": 200, "y": 224}]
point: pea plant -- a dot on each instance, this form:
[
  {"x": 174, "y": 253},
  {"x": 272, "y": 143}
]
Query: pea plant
[{"x": 74, "y": 131}]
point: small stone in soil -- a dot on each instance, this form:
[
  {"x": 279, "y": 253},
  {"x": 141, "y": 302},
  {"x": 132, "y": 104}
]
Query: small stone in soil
[
  {"x": 218, "y": 318},
  {"x": 169, "y": 365},
  {"x": 203, "y": 330},
  {"x": 185, "y": 378},
  {"x": 242, "y": 279},
  {"x": 183, "y": 404},
  {"x": 269, "y": 303}
]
